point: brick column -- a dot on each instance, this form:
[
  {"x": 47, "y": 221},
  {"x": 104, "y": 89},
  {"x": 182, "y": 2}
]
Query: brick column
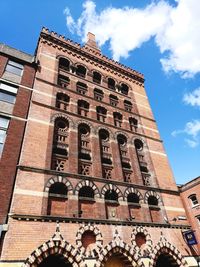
[{"x": 96, "y": 155}]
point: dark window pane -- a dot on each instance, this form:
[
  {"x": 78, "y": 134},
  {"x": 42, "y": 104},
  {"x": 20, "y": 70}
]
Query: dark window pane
[{"x": 7, "y": 97}]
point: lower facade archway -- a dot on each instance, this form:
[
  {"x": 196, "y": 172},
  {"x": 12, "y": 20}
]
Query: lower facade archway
[
  {"x": 55, "y": 260},
  {"x": 117, "y": 260},
  {"x": 166, "y": 260}
]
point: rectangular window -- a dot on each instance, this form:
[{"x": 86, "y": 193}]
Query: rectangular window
[
  {"x": 14, "y": 68},
  {"x": 4, "y": 122},
  {"x": 8, "y": 93}
]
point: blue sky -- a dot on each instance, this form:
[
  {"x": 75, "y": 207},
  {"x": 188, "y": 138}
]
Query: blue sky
[{"x": 149, "y": 36}]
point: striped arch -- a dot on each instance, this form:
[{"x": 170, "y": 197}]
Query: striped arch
[
  {"x": 85, "y": 122},
  {"x": 87, "y": 183},
  {"x": 64, "y": 116},
  {"x": 58, "y": 179},
  {"x": 134, "y": 191},
  {"x": 52, "y": 247},
  {"x": 118, "y": 247},
  {"x": 99, "y": 239},
  {"x": 63, "y": 56},
  {"x": 107, "y": 187},
  {"x": 152, "y": 193},
  {"x": 163, "y": 246},
  {"x": 149, "y": 243},
  {"x": 141, "y": 139}
]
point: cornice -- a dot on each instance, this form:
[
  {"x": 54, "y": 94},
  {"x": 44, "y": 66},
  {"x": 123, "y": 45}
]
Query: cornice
[{"x": 53, "y": 39}]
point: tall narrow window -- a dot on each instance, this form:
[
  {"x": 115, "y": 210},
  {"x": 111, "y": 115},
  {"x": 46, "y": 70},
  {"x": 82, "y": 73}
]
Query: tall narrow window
[
  {"x": 111, "y": 83},
  {"x": 101, "y": 113},
  {"x": 83, "y": 108},
  {"x": 125, "y": 159},
  {"x": 57, "y": 201},
  {"x": 84, "y": 149},
  {"x": 96, "y": 77},
  {"x": 154, "y": 209},
  {"x": 134, "y": 206},
  {"x": 62, "y": 101},
  {"x": 106, "y": 156},
  {"x": 133, "y": 124},
  {"x": 15, "y": 68},
  {"x": 117, "y": 119},
  {"x": 142, "y": 162},
  {"x": 60, "y": 145},
  {"x": 81, "y": 71},
  {"x": 4, "y": 122},
  {"x": 64, "y": 64}
]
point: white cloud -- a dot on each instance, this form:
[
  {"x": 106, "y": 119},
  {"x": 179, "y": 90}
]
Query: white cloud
[
  {"x": 192, "y": 130},
  {"x": 175, "y": 30},
  {"x": 193, "y": 98}
]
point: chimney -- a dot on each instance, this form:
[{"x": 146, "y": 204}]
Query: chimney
[{"x": 91, "y": 43}]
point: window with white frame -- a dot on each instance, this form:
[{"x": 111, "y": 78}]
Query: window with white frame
[
  {"x": 4, "y": 122},
  {"x": 193, "y": 200},
  {"x": 8, "y": 93},
  {"x": 14, "y": 68}
]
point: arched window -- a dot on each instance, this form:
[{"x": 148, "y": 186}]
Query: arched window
[
  {"x": 101, "y": 113},
  {"x": 86, "y": 201},
  {"x": 106, "y": 156},
  {"x": 113, "y": 100},
  {"x": 124, "y": 89},
  {"x": 127, "y": 105},
  {"x": 142, "y": 162},
  {"x": 98, "y": 94},
  {"x": 133, "y": 124},
  {"x": 117, "y": 119},
  {"x": 111, "y": 204},
  {"x": 111, "y": 83},
  {"x": 152, "y": 201},
  {"x": 133, "y": 198},
  {"x": 64, "y": 64},
  {"x": 81, "y": 88},
  {"x": 84, "y": 149},
  {"x": 60, "y": 145},
  {"x": 62, "y": 101},
  {"x": 81, "y": 71},
  {"x": 96, "y": 77},
  {"x": 63, "y": 81},
  {"x": 166, "y": 260},
  {"x": 193, "y": 200},
  {"x": 134, "y": 206},
  {"x": 57, "y": 201},
  {"x": 83, "y": 108}
]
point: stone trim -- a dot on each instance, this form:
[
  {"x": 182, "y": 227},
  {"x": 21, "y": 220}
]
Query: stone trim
[
  {"x": 58, "y": 179},
  {"x": 152, "y": 193},
  {"x": 132, "y": 190},
  {"x": 87, "y": 183},
  {"x": 62, "y": 116},
  {"x": 107, "y": 187}
]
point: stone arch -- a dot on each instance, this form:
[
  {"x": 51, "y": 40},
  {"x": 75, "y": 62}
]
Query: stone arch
[
  {"x": 122, "y": 133},
  {"x": 134, "y": 191},
  {"x": 119, "y": 247},
  {"x": 163, "y": 246},
  {"x": 152, "y": 193},
  {"x": 58, "y": 179},
  {"x": 64, "y": 116},
  {"x": 63, "y": 56},
  {"x": 85, "y": 122},
  {"x": 99, "y": 239},
  {"x": 106, "y": 129},
  {"x": 87, "y": 183},
  {"x": 112, "y": 187},
  {"x": 54, "y": 247},
  {"x": 141, "y": 139},
  {"x": 148, "y": 246}
]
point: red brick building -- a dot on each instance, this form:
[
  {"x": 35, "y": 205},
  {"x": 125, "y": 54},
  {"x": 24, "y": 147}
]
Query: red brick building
[
  {"x": 190, "y": 194},
  {"x": 93, "y": 185},
  {"x": 17, "y": 71}
]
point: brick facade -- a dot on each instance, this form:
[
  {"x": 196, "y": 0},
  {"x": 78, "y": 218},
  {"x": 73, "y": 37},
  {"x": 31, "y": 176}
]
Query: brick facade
[{"x": 93, "y": 182}]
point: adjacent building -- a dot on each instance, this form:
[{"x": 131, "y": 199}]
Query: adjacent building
[
  {"x": 93, "y": 185},
  {"x": 17, "y": 71}
]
